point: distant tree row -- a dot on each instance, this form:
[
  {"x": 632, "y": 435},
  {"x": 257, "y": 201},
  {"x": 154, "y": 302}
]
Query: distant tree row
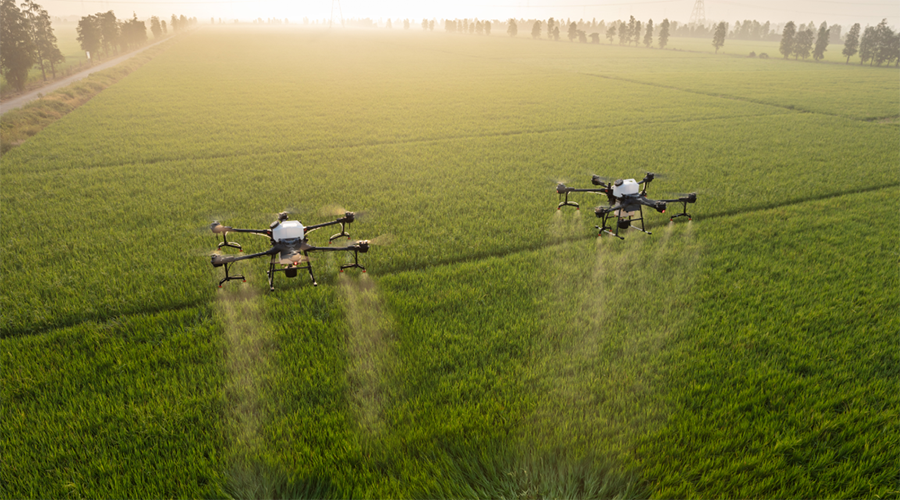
[
  {"x": 475, "y": 27},
  {"x": 27, "y": 39},
  {"x": 878, "y": 44},
  {"x": 104, "y": 32}
]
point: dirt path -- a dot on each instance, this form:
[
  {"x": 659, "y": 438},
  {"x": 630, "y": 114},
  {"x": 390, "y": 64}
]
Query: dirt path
[{"x": 19, "y": 101}]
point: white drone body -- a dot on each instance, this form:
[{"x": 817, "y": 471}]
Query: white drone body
[
  {"x": 288, "y": 230},
  {"x": 628, "y": 187}
]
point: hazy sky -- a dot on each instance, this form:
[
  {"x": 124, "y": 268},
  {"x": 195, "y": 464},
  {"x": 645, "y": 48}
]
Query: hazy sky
[{"x": 831, "y": 11}]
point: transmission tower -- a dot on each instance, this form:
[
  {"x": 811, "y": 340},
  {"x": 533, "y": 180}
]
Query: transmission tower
[
  {"x": 341, "y": 14},
  {"x": 698, "y": 16}
]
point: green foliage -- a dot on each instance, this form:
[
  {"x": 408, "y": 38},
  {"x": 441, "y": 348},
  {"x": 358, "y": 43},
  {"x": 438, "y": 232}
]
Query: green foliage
[
  {"x": 719, "y": 36},
  {"x": 19, "y": 51},
  {"x": 788, "y": 39},
  {"x": 803, "y": 43},
  {"x": 664, "y": 33},
  {"x": 821, "y": 42},
  {"x": 497, "y": 347}
]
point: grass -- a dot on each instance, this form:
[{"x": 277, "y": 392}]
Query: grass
[{"x": 497, "y": 347}]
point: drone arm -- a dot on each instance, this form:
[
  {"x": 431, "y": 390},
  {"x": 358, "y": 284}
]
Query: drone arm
[
  {"x": 356, "y": 248},
  {"x": 588, "y": 190},
  {"x": 324, "y": 224},
  {"x": 658, "y": 205},
  {"x": 219, "y": 260},
  {"x": 252, "y": 231}
]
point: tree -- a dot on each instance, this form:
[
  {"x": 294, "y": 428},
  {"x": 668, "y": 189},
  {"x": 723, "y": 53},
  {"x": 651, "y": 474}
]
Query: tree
[
  {"x": 803, "y": 43},
  {"x": 582, "y": 36},
  {"x": 44, "y": 39},
  {"x": 511, "y": 28},
  {"x": 664, "y": 33},
  {"x": 406, "y": 24},
  {"x": 109, "y": 31},
  {"x": 556, "y": 32},
  {"x": 174, "y": 23},
  {"x": 611, "y": 32},
  {"x": 629, "y": 32},
  {"x": 18, "y": 54},
  {"x": 550, "y": 24},
  {"x": 867, "y": 45},
  {"x": 536, "y": 29},
  {"x": 636, "y": 34},
  {"x": 155, "y": 27},
  {"x": 719, "y": 36},
  {"x": 595, "y": 37},
  {"x": 431, "y": 25},
  {"x": 89, "y": 35},
  {"x": 851, "y": 43},
  {"x": 388, "y": 24},
  {"x": 162, "y": 24},
  {"x": 648, "y": 37},
  {"x": 133, "y": 33},
  {"x": 624, "y": 35},
  {"x": 487, "y": 28},
  {"x": 572, "y": 32},
  {"x": 424, "y": 24},
  {"x": 787, "y": 39},
  {"x": 821, "y": 42},
  {"x": 884, "y": 38}
]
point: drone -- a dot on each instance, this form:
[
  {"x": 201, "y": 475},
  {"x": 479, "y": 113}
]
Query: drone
[
  {"x": 626, "y": 197},
  {"x": 290, "y": 247}
]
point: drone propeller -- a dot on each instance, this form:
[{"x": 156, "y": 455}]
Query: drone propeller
[
  {"x": 219, "y": 228},
  {"x": 380, "y": 240},
  {"x": 335, "y": 210},
  {"x": 599, "y": 180}
]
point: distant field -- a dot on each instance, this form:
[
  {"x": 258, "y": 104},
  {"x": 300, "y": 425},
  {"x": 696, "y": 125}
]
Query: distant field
[{"x": 496, "y": 347}]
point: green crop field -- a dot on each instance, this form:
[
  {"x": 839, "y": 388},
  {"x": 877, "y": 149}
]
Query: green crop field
[{"x": 495, "y": 347}]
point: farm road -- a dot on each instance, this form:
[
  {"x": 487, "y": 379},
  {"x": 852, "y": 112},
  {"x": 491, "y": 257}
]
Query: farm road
[{"x": 18, "y": 102}]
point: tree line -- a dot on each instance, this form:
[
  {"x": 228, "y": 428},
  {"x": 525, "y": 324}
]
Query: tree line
[
  {"x": 878, "y": 44},
  {"x": 27, "y": 39},
  {"x": 104, "y": 32}
]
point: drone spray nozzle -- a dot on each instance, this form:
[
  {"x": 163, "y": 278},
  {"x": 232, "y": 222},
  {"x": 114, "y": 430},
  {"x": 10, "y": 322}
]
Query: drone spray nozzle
[
  {"x": 597, "y": 181},
  {"x": 660, "y": 207},
  {"x": 218, "y": 228},
  {"x": 349, "y": 217},
  {"x": 562, "y": 189},
  {"x": 689, "y": 198},
  {"x": 362, "y": 246}
]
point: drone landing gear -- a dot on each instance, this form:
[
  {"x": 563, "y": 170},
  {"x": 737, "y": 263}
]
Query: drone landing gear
[
  {"x": 290, "y": 271},
  {"x": 338, "y": 235},
  {"x": 567, "y": 203},
  {"x": 622, "y": 222},
  {"x": 683, "y": 212},
  {"x": 355, "y": 263},
  {"x": 225, "y": 243},
  {"x": 229, "y": 278}
]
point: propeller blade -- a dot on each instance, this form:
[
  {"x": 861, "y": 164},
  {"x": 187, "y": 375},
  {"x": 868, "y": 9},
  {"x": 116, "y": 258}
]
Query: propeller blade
[
  {"x": 600, "y": 181},
  {"x": 382, "y": 240},
  {"x": 219, "y": 228}
]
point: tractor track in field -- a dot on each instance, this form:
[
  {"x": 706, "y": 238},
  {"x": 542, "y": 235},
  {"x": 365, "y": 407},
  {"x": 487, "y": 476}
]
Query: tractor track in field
[
  {"x": 730, "y": 97},
  {"x": 78, "y": 319},
  {"x": 153, "y": 161},
  {"x": 75, "y": 320}
]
